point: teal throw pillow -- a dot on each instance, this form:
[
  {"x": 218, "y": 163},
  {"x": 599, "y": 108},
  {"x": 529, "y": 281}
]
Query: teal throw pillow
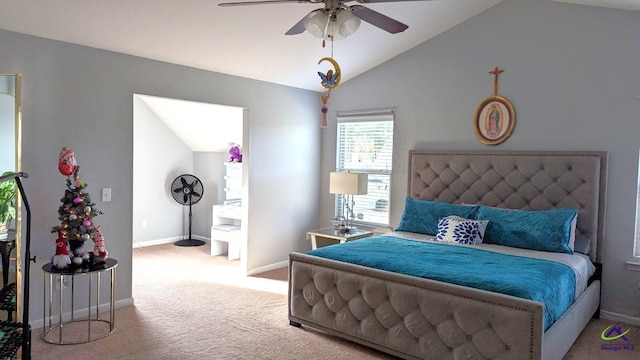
[
  {"x": 546, "y": 230},
  {"x": 421, "y": 216}
]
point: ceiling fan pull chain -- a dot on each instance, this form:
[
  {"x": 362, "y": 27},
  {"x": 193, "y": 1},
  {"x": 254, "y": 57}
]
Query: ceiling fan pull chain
[{"x": 332, "y": 47}]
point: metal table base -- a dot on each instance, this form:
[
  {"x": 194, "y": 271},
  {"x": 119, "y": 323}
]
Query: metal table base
[{"x": 91, "y": 272}]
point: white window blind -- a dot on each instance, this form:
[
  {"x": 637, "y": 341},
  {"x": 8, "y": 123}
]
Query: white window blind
[{"x": 365, "y": 145}]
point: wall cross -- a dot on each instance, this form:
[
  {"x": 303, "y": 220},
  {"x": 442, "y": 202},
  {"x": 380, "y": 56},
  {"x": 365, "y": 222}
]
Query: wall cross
[{"x": 495, "y": 72}]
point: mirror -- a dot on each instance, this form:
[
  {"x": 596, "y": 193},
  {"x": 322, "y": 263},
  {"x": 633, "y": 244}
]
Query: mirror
[{"x": 10, "y": 160}]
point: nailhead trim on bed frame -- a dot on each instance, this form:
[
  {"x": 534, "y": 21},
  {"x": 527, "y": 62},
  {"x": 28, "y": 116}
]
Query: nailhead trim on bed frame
[{"x": 377, "y": 308}]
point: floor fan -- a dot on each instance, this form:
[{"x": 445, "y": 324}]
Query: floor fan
[{"x": 187, "y": 190}]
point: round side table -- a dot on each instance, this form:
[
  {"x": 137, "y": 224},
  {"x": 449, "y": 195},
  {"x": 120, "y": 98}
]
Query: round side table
[{"x": 93, "y": 272}]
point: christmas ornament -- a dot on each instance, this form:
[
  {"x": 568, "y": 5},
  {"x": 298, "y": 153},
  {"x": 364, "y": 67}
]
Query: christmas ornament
[
  {"x": 100, "y": 252},
  {"x": 87, "y": 209},
  {"x": 73, "y": 217},
  {"x": 77, "y": 200},
  {"x": 77, "y": 261},
  {"x": 86, "y": 223},
  {"x": 67, "y": 161},
  {"x": 86, "y": 237},
  {"x": 61, "y": 259}
]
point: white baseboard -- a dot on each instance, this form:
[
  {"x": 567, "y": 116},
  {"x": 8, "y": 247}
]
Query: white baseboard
[
  {"x": 82, "y": 313},
  {"x": 627, "y": 319},
  {"x": 170, "y": 240},
  {"x": 269, "y": 267}
]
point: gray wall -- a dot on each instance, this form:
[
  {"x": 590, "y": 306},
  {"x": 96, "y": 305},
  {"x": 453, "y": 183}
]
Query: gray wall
[
  {"x": 572, "y": 74},
  {"x": 82, "y": 97},
  {"x": 158, "y": 157}
]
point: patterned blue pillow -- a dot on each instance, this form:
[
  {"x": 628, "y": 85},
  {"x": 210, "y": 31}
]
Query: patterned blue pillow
[{"x": 455, "y": 229}]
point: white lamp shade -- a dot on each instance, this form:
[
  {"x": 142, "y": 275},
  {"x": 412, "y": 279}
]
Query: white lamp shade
[
  {"x": 348, "y": 183},
  {"x": 347, "y": 23},
  {"x": 336, "y": 28},
  {"x": 317, "y": 24}
]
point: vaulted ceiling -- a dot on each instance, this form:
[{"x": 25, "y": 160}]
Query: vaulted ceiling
[
  {"x": 201, "y": 126},
  {"x": 246, "y": 41}
]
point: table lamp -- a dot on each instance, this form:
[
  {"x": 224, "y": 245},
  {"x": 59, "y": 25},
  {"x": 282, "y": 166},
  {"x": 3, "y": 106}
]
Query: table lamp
[{"x": 348, "y": 184}]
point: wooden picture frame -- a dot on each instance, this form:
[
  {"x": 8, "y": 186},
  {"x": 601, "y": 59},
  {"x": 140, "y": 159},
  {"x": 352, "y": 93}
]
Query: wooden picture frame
[{"x": 494, "y": 120}]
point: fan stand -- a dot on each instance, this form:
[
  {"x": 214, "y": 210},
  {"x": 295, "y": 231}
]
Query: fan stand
[{"x": 189, "y": 241}]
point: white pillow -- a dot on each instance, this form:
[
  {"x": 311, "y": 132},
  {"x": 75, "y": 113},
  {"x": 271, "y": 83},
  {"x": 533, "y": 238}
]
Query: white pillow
[{"x": 456, "y": 229}]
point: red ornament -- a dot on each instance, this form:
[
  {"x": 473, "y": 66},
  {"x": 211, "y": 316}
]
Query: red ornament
[{"x": 67, "y": 161}]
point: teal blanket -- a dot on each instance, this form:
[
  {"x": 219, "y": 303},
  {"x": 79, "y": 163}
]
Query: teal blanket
[{"x": 548, "y": 282}]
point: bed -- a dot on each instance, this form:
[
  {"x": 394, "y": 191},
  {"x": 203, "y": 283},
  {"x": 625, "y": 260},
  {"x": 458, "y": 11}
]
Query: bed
[{"x": 416, "y": 317}]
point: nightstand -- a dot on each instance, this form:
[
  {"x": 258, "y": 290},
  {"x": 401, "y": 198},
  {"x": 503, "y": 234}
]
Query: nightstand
[{"x": 329, "y": 236}]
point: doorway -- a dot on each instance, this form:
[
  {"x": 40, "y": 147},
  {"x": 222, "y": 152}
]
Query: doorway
[{"x": 172, "y": 137}]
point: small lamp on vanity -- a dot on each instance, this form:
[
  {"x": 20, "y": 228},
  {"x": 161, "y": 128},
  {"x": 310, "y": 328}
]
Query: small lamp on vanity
[{"x": 348, "y": 184}]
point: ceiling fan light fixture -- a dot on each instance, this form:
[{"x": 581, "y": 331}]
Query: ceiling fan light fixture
[
  {"x": 333, "y": 31},
  {"x": 347, "y": 23},
  {"x": 316, "y": 25}
]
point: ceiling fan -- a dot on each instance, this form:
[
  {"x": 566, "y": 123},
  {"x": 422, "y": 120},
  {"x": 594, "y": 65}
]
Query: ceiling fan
[{"x": 337, "y": 20}]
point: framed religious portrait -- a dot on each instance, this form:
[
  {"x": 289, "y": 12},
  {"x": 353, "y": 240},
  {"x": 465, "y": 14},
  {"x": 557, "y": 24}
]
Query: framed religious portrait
[{"x": 495, "y": 119}]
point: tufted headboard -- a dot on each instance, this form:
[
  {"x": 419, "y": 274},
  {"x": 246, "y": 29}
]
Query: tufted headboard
[{"x": 527, "y": 180}]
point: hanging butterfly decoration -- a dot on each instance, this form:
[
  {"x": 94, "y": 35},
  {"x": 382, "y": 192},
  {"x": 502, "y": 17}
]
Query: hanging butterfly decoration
[{"x": 329, "y": 81}]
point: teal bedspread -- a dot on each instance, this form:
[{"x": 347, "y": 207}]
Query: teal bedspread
[{"x": 548, "y": 282}]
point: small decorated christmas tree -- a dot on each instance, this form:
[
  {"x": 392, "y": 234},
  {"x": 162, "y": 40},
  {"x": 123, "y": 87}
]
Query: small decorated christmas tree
[{"x": 76, "y": 213}]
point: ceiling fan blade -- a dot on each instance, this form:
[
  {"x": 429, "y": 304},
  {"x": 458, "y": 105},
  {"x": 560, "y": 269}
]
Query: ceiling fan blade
[
  {"x": 381, "y": 1},
  {"x": 377, "y": 19},
  {"x": 264, "y": 2},
  {"x": 299, "y": 27}
]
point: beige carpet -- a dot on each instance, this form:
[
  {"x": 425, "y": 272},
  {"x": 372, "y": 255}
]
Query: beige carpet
[{"x": 189, "y": 305}]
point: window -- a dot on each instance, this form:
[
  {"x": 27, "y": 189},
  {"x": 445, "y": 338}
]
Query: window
[{"x": 365, "y": 145}]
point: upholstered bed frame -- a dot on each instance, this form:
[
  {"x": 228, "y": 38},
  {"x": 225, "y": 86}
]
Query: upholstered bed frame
[{"x": 419, "y": 318}]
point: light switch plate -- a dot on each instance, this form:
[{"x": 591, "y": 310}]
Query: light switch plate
[{"x": 106, "y": 194}]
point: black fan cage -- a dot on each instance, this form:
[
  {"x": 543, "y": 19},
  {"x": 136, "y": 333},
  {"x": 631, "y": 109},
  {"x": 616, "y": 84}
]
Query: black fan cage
[{"x": 187, "y": 189}]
